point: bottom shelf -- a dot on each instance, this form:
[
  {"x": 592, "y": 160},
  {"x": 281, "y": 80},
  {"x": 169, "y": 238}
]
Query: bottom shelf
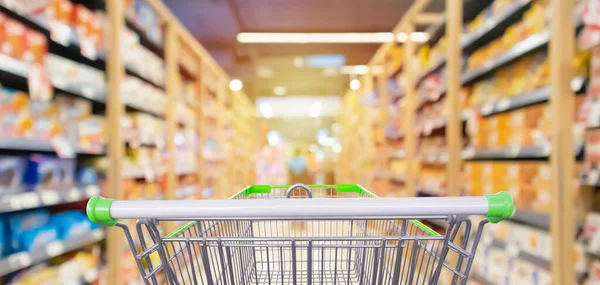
[{"x": 20, "y": 260}]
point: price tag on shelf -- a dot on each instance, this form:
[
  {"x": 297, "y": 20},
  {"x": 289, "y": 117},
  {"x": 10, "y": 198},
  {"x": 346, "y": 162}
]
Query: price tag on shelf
[
  {"x": 503, "y": 104},
  {"x": 592, "y": 177},
  {"x": 468, "y": 153},
  {"x": 149, "y": 174},
  {"x": 74, "y": 194},
  {"x": 92, "y": 190},
  {"x": 63, "y": 148},
  {"x": 88, "y": 91},
  {"x": 88, "y": 47},
  {"x": 59, "y": 32},
  {"x": 39, "y": 84},
  {"x": 19, "y": 260},
  {"x": 487, "y": 109},
  {"x": 55, "y": 249},
  {"x": 512, "y": 249},
  {"x": 91, "y": 275},
  {"x": 514, "y": 151},
  {"x": 59, "y": 82},
  {"x": 50, "y": 197},
  {"x": 25, "y": 201},
  {"x": 98, "y": 234}
]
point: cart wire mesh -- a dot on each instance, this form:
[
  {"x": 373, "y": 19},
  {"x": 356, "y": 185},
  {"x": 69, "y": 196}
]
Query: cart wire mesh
[{"x": 357, "y": 250}]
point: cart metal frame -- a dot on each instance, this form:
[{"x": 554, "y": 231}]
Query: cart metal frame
[{"x": 317, "y": 234}]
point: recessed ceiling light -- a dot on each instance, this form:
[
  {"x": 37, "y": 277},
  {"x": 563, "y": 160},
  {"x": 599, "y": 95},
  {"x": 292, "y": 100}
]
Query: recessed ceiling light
[
  {"x": 354, "y": 84},
  {"x": 321, "y": 38},
  {"x": 235, "y": 85}
]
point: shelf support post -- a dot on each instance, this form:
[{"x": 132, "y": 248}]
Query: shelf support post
[
  {"x": 410, "y": 138},
  {"x": 172, "y": 93},
  {"x": 114, "y": 113},
  {"x": 562, "y": 107},
  {"x": 454, "y": 17}
]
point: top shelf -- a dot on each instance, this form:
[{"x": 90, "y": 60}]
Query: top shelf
[{"x": 495, "y": 27}]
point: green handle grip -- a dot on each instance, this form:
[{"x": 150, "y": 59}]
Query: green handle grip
[
  {"x": 98, "y": 211},
  {"x": 501, "y": 207}
]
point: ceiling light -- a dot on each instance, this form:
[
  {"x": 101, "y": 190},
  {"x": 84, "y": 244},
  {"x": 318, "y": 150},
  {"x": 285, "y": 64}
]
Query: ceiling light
[
  {"x": 279, "y": 90},
  {"x": 298, "y": 61},
  {"x": 266, "y": 110},
  {"x": 235, "y": 85},
  {"x": 419, "y": 37},
  {"x": 322, "y": 38},
  {"x": 315, "y": 109},
  {"x": 354, "y": 69},
  {"x": 354, "y": 84}
]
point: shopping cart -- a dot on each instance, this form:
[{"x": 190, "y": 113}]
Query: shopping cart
[{"x": 317, "y": 234}]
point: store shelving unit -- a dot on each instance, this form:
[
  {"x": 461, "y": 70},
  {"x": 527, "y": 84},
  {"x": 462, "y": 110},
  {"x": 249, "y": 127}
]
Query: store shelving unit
[
  {"x": 229, "y": 125},
  {"x": 451, "y": 125}
]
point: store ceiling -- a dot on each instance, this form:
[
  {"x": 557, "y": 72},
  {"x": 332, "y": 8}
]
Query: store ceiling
[{"x": 215, "y": 23}]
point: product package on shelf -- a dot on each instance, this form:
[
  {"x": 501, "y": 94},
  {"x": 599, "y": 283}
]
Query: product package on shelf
[
  {"x": 22, "y": 43},
  {"x": 75, "y": 77},
  {"x": 65, "y": 117},
  {"x": 532, "y": 23},
  {"x": 32, "y": 230},
  {"x": 141, "y": 95},
  {"x": 146, "y": 19},
  {"x": 528, "y": 126},
  {"x": 72, "y": 268},
  {"x": 144, "y": 129},
  {"x": 141, "y": 60},
  {"x": 520, "y": 254},
  {"x": 432, "y": 180},
  {"x": 528, "y": 182}
]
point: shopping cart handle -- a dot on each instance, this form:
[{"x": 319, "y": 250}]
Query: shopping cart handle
[{"x": 495, "y": 207}]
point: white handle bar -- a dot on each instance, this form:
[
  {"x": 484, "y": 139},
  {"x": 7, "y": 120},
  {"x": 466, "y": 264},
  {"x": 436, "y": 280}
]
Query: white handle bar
[{"x": 104, "y": 210}]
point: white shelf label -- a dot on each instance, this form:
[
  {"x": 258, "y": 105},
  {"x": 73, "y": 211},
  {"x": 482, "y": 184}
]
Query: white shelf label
[
  {"x": 24, "y": 201},
  {"x": 503, "y": 104},
  {"x": 512, "y": 250},
  {"x": 55, "y": 249},
  {"x": 92, "y": 190},
  {"x": 88, "y": 91},
  {"x": 19, "y": 260},
  {"x": 487, "y": 109},
  {"x": 468, "y": 153},
  {"x": 514, "y": 151},
  {"x": 74, "y": 194},
  {"x": 98, "y": 234},
  {"x": 50, "y": 197}
]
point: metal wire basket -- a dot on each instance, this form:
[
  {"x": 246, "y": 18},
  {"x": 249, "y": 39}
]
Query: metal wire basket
[{"x": 318, "y": 234}]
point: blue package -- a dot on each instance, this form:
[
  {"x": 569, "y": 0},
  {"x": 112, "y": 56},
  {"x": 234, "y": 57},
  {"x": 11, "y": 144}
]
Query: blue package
[
  {"x": 2, "y": 238},
  {"x": 47, "y": 172},
  {"x": 12, "y": 169},
  {"x": 87, "y": 176},
  {"x": 72, "y": 224},
  {"x": 24, "y": 221},
  {"x": 37, "y": 238}
]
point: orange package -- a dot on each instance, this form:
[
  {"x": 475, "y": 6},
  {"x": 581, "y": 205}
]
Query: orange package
[
  {"x": 60, "y": 10},
  {"x": 36, "y": 47},
  {"x": 14, "y": 39},
  {"x": 82, "y": 20}
]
